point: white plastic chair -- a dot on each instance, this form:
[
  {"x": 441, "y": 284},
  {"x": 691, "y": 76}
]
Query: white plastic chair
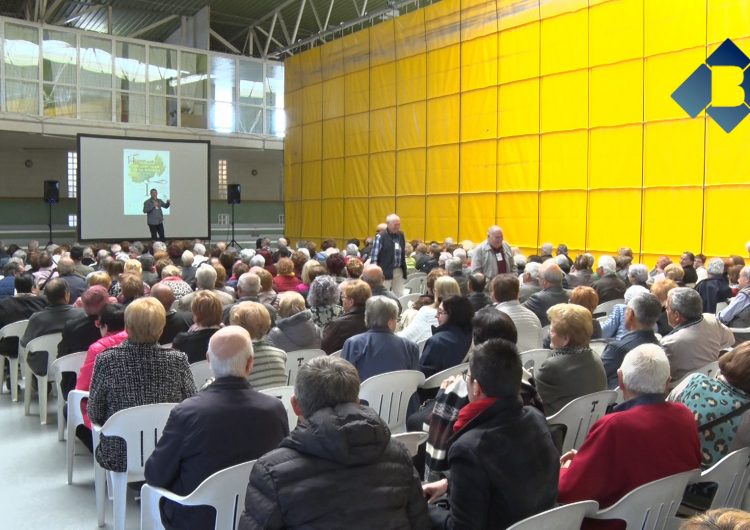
[
  {"x": 597, "y": 346},
  {"x": 531, "y": 359},
  {"x": 651, "y": 506},
  {"x": 579, "y": 415},
  {"x": 720, "y": 307},
  {"x": 740, "y": 334},
  {"x": 407, "y": 300},
  {"x": 389, "y": 395},
  {"x": 15, "y": 329},
  {"x": 201, "y": 373},
  {"x": 336, "y": 354},
  {"x": 75, "y": 418},
  {"x": 435, "y": 380},
  {"x": 415, "y": 285},
  {"x": 711, "y": 370},
  {"x": 605, "y": 308},
  {"x": 49, "y": 344},
  {"x": 421, "y": 344},
  {"x": 565, "y": 517},
  {"x": 141, "y": 428},
  {"x": 284, "y": 393},
  {"x": 412, "y": 440},
  {"x": 416, "y": 274},
  {"x": 224, "y": 490},
  {"x": 731, "y": 475},
  {"x": 295, "y": 359},
  {"x": 67, "y": 363}
]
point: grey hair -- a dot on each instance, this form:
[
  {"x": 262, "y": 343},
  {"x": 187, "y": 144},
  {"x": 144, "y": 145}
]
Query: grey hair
[
  {"x": 607, "y": 264},
  {"x": 453, "y": 265},
  {"x": 258, "y": 261},
  {"x": 233, "y": 366},
  {"x": 687, "y": 302},
  {"x": 20, "y": 254},
  {"x": 633, "y": 291},
  {"x": 324, "y": 290},
  {"x": 639, "y": 272},
  {"x": 199, "y": 249},
  {"x": 379, "y": 310},
  {"x": 391, "y": 217},
  {"x": 561, "y": 260},
  {"x": 158, "y": 246},
  {"x": 324, "y": 382},
  {"x": 646, "y": 308},
  {"x": 551, "y": 272},
  {"x": 520, "y": 260},
  {"x": 187, "y": 258},
  {"x": 715, "y": 266},
  {"x": 533, "y": 269},
  {"x": 249, "y": 284},
  {"x": 547, "y": 248},
  {"x": 745, "y": 272},
  {"x": 205, "y": 277},
  {"x": 645, "y": 369}
]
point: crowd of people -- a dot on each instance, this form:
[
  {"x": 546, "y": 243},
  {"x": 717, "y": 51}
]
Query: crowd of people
[{"x": 145, "y": 312}]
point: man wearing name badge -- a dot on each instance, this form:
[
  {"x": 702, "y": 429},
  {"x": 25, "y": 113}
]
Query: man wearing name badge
[
  {"x": 494, "y": 256},
  {"x": 388, "y": 253},
  {"x": 154, "y": 217}
]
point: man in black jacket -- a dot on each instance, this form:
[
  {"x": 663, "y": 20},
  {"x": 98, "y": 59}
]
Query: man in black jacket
[
  {"x": 226, "y": 424},
  {"x": 503, "y": 464},
  {"x": 550, "y": 279},
  {"x": 339, "y": 468},
  {"x": 389, "y": 253}
]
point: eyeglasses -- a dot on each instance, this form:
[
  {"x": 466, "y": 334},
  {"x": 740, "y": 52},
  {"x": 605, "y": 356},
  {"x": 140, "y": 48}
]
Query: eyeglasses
[{"x": 442, "y": 312}]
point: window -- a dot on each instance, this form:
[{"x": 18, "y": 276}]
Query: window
[
  {"x": 72, "y": 220},
  {"x": 222, "y": 179},
  {"x": 72, "y": 175}
]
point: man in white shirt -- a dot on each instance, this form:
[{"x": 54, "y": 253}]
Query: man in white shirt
[{"x": 504, "y": 290}]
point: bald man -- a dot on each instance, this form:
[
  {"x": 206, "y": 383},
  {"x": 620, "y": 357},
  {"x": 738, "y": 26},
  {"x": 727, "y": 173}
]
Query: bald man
[
  {"x": 226, "y": 424},
  {"x": 177, "y": 321},
  {"x": 494, "y": 256}
]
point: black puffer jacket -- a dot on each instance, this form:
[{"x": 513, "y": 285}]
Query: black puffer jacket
[{"x": 339, "y": 469}]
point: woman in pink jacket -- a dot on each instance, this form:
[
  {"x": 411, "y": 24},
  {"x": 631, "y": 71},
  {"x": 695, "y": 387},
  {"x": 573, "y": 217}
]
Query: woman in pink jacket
[{"x": 111, "y": 325}]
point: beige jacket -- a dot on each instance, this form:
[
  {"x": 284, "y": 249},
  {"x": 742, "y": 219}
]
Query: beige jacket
[{"x": 694, "y": 345}]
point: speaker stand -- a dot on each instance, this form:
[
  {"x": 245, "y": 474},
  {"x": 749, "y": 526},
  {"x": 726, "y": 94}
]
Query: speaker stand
[
  {"x": 233, "y": 242},
  {"x": 49, "y": 223}
]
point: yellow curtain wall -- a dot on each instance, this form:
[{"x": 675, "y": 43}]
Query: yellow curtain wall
[{"x": 553, "y": 119}]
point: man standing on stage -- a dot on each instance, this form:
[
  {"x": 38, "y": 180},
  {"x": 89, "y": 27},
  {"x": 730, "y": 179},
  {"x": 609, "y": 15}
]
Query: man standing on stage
[
  {"x": 155, "y": 219},
  {"x": 388, "y": 253}
]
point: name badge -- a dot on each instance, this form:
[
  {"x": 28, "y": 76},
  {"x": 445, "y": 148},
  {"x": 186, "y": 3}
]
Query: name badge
[
  {"x": 397, "y": 246},
  {"x": 499, "y": 256}
]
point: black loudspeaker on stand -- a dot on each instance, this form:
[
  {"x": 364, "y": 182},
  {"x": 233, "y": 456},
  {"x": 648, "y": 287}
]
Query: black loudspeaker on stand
[
  {"x": 51, "y": 196},
  {"x": 233, "y": 197}
]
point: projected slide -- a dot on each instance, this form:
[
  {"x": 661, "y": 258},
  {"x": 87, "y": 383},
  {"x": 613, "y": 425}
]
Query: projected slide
[{"x": 144, "y": 170}]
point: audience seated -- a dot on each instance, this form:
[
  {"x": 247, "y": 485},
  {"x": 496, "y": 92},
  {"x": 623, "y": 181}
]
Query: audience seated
[
  {"x": 267, "y": 295},
  {"x": 379, "y": 350},
  {"x": 477, "y": 296},
  {"x": 643, "y": 440},
  {"x": 354, "y": 296},
  {"x": 454, "y": 268},
  {"x": 585, "y": 296},
  {"x": 66, "y": 272},
  {"x": 111, "y": 323},
  {"x": 373, "y": 275},
  {"x": 170, "y": 276},
  {"x": 718, "y": 403},
  {"x": 550, "y": 280},
  {"x": 323, "y": 299},
  {"x": 285, "y": 279},
  {"x": 176, "y": 321},
  {"x": 660, "y": 288},
  {"x": 687, "y": 261},
  {"x": 420, "y": 328},
  {"x": 505, "y": 289},
  {"x": 609, "y": 286},
  {"x": 502, "y": 461},
  {"x": 269, "y": 364},
  {"x": 641, "y": 314},
  {"x": 737, "y": 313},
  {"x": 248, "y": 290},
  {"x": 675, "y": 272},
  {"x": 207, "y": 311},
  {"x": 715, "y": 288},
  {"x": 696, "y": 338},
  {"x": 451, "y": 339},
  {"x": 137, "y": 372},
  {"x": 582, "y": 273},
  {"x": 295, "y": 329},
  {"x": 339, "y": 468},
  {"x": 613, "y": 327},
  {"x": 226, "y": 424},
  {"x": 25, "y": 303},
  {"x": 573, "y": 370},
  {"x": 205, "y": 280}
]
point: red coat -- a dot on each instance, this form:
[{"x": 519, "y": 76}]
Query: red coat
[
  {"x": 627, "y": 449},
  {"x": 283, "y": 283}
]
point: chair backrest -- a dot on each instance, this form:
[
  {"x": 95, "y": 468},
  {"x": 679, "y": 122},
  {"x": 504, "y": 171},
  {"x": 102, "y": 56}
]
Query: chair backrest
[
  {"x": 415, "y": 285},
  {"x": 46, "y": 343},
  {"x": 412, "y": 440},
  {"x": 605, "y": 308},
  {"x": 68, "y": 363},
  {"x": 284, "y": 393},
  {"x": 565, "y": 517},
  {"x": 597, "y": 346},
  {"x": 407, "y": 300},
  {"x": 14, "y": 329},
  {"x": 336, "y": 354},
  {"x": 295, "y": 359},
  {"x": 434, "y": 380},
  {"x": 416, "y": 274},
  {"x": 389, "y": 395},
  {"x": 711, "y": 369},
  {"x": 651, "y": 506},
  {"x": 532, "y": 358},
  {"x": 731, "y": 475},
  {"x": 421, "y": 343},
  {"x": 201, "y": 373},
  {"x": 141, "y": 428},
  {"x": 580, "y": 414},
  {"x": 720, "y": 307}
]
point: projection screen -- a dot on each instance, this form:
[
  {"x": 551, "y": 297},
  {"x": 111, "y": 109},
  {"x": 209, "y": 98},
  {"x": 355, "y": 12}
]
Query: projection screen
[{"x": 115, "y": 176}]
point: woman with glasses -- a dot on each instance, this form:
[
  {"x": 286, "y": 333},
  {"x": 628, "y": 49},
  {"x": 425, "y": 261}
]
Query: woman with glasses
[{"x": 451, "y": 338}]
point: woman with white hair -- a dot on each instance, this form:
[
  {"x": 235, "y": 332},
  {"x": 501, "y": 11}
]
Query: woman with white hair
[
  {"x": 295, "y": 329},
  {"x": 323, "y": 299},
  {"x": 715, "y": 288}
]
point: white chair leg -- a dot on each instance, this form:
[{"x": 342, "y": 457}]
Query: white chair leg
[
  {"x": 100, "y": 491},
  {"x": 42, "y": 399},
  {"x": 60, "y": 417},
  {"x": 119, "y": 494},
  {"x": 2, "y": 372},
  {"x": 13, "y": 378},
  {"x": 70, "y": 447},
  {"x": 150, "y": 516},
  {"x": 28, "y": 390}
]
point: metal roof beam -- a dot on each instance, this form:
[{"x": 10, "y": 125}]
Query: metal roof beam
[
  {"x": 154, "y": 25},
  {"x": 224, "y": 41}
]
